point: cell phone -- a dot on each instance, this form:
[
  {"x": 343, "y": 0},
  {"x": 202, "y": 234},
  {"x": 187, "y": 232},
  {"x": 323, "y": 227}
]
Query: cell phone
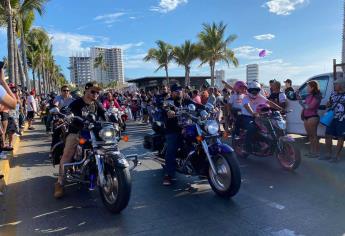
[{"x": 2, "y": 65}]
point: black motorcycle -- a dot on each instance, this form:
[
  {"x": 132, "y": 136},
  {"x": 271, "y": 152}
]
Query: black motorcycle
[
  {"x": 98, "y": 160},
  {"x": 202, "y": 153}
]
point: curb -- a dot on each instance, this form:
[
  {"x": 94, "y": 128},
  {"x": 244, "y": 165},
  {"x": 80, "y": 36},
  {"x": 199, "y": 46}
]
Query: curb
[{"x": 5, "y": 164}]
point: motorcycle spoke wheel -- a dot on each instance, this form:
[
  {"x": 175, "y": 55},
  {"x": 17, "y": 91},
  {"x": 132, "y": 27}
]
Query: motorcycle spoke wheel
[
  {"x": 222, "y": 181},
  {"x": 289, "y": 157},
  {"x": 110, "y": 189}
]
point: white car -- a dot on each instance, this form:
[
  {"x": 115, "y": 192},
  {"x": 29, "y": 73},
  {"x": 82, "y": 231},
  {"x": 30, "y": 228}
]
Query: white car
[{"x": 294, "y": 122}]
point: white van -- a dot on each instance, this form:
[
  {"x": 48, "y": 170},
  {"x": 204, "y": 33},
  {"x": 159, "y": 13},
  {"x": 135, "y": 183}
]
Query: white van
[{"x": 294, "y": 122}]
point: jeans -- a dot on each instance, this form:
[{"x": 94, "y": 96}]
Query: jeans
[
  {"x": 172, "y": 144},
  {"x": 249, "y": 125}
]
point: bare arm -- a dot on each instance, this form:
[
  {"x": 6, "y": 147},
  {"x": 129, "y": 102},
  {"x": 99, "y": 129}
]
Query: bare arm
[
  {"x": 9, "y": 100},
  {"x": 273, "y": 105}
]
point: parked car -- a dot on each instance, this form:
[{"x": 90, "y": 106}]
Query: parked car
[{"x": 294, "y": 122}]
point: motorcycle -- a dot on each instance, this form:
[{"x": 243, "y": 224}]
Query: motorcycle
[
  {"x": 118, "y": 116},
  {"x": 201, "y": 153},
  {"x": 98, "y": 160},
  {"x": 272, "y": 140}
]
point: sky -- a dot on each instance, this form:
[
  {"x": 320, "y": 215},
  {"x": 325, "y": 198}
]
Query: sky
[{"x": 301, "y": 37}]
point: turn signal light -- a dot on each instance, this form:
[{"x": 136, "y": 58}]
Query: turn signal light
[
  {"x": 82, "y": 141},
  {"x": 199, "y": 138},
  {"x": 125, "y": 138}
]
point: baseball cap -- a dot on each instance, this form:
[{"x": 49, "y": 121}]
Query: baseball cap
[
  {"x": 92, "y": 85},
  {"x": 175, "y": 88},
  {"x": 340, "y": 81},
  {"x": 288, "y": 81}
]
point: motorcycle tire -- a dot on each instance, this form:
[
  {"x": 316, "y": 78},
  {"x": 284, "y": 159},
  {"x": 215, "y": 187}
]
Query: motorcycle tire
[
  {"x": 124, "y": 187},
  {"x": 292, "y": 153},
  {"x": 220, "y": 185},
  {"x": 238, "y": 147}
]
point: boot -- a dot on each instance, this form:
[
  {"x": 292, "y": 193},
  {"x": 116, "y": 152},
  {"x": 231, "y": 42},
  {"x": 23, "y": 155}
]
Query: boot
[{"x": 58, "y": 193}]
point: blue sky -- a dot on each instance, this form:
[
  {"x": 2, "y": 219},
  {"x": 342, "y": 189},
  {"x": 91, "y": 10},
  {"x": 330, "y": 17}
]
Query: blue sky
[{"x": 301, "y": 36}]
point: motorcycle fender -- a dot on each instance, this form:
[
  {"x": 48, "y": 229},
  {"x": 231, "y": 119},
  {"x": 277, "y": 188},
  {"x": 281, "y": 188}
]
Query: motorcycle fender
[
  {"x": 220, "y": 148},
  {"x": 118, "y": 159},
  {"x": 287, "y": 138}
]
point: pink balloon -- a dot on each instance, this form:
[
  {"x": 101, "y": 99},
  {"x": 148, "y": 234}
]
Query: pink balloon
[{"x": 262, "y": 53}]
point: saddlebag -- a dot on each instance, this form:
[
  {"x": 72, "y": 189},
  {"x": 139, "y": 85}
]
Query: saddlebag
[{"x": 153, "y": 141}]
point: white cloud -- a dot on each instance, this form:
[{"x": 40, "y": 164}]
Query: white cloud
[
  {"x": 165, "y": 6},
  {"x": 125, "y": 46},
  {"x": 283, "y": 7},
  {"x": 109, "y": 18},
  {"x": 249, "y": 52},
  {"x": 264, "y": 37}
]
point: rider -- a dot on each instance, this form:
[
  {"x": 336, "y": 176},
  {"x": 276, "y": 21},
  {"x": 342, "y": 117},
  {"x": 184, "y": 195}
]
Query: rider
[
  {"x": 276, "y": 95},
  {"x": 65, "y": 99},
  {"x": 235, "y": 103},
  {"x": 250, "y": 103},
  {"x": 110, "y": 101},
  {"x": 81, "y": 107}
]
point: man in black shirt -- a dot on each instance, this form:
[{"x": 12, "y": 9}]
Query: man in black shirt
[
  {"x": 81, "y": 108},
  {"x": 289, "y": 91}
]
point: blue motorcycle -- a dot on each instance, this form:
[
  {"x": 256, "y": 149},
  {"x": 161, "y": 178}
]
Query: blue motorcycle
[{"x": 201, "y": 152}]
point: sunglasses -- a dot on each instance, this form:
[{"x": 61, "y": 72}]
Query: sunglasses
[
  {"x": 94, "y": 92},
  {"x": 65, "y": 90}
]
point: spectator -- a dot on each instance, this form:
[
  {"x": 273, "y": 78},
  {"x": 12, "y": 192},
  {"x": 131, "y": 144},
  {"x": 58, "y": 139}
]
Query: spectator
[
  {"x": 64, "y": 99},
  {"x": 310, "y": 116},
  {"x": 337, "y": 128},
  {"x": 276, "y": 95},
  {"x": 271, "y": 82},
  {"x": 195, "y": 97},
  {"x": 31, "y": 109},
  {"x": 211, "y": 98},
  {"x": 7, "y": 98},
  {"x": 288, "y": 87}
]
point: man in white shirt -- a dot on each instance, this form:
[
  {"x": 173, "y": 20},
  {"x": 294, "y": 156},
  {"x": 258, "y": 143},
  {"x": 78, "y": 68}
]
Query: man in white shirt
[{"x": 31, "y": 109}]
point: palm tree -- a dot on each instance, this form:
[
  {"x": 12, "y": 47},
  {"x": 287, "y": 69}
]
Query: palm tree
[
  {"x": 213, "y": 47},
  {"x": 184, "y": 55},
  {"x": 162, "y": 55},
  {"x": 100, "y": 64}
]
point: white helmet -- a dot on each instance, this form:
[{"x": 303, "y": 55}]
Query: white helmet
[{"x": 254, "y": 87}]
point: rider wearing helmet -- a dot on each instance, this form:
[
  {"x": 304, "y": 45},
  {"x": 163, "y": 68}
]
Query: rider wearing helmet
[{"x": 250, "y": 104}]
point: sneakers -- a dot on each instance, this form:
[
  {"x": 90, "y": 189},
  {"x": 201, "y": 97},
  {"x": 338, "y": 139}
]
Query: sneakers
[
  {"x": 58, "y": 192},
  {"x": 167, "y": 180}
]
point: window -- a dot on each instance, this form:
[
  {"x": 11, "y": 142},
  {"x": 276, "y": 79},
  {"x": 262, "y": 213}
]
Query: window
[{"x": 323, "y": 83}]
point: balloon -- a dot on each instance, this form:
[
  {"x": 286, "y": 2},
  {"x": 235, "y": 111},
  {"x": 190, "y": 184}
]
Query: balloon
[{"x": 262, "y": 53}]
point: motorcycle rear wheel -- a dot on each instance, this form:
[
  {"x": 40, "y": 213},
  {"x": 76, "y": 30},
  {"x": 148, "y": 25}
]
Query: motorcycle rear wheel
[
  {"x": 228, "y": 181},
  {"x": 239, "y": 148},
  {"x": 117, "y": 191},
  {"x": 290, "y": 157}
]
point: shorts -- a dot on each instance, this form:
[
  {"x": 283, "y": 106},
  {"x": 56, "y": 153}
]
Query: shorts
[
  {"x": 4, "y": 116},
  {"x": 336, "y": 129},
  {"x": 30, "y": 115}
]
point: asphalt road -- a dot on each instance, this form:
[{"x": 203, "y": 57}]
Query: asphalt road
[{"x": 271, "y": 201}]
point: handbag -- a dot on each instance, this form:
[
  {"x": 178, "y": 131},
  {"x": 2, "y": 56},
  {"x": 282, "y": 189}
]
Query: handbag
[{"x": 327, "y": 118}]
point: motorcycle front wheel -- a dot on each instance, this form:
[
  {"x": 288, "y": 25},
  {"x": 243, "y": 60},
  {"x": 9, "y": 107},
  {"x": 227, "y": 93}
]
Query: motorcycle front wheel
[
  {"x": 290, "y": 157},
  {"x": 117, "y": 190},
  {"x": 227, "y": 182}
]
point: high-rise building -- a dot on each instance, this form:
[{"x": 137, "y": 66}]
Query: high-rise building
[
  {"x": 113, "y": 58},
  {"x": 80, "y": 70},
  {"x": 220, "y": 75},
  {"x": 252, "y": 72}
]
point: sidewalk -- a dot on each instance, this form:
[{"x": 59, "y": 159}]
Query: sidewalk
[{"x": 5, "y": 164}]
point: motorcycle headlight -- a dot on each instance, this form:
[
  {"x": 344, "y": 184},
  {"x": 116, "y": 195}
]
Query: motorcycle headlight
[
  {"x": 107, "y": 134},
  {"x": 212, "y": 127}
]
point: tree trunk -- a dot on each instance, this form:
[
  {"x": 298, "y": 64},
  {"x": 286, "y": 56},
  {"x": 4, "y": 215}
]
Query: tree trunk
[
  {"x": 33, "y": 79},
  {"x": 212, "y": 74},
  {"x": 24, "y": 59},
  {"x": 167, "y": 76},
  {"x": 10, "y": 46},
  {"x": 21, "y": 69},
  {"x": 39, "y": 82},
  {"x": 187, "y": 77},
  {"x": 16, "y": 64}
]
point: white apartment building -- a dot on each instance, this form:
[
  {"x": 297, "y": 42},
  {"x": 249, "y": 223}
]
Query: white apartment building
[
  {"x": 114, "y": 61},
  {"x": 220, "y": 75},
  {"x": 252, "y": 72},
  {"x": 80, "y": 70}
]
